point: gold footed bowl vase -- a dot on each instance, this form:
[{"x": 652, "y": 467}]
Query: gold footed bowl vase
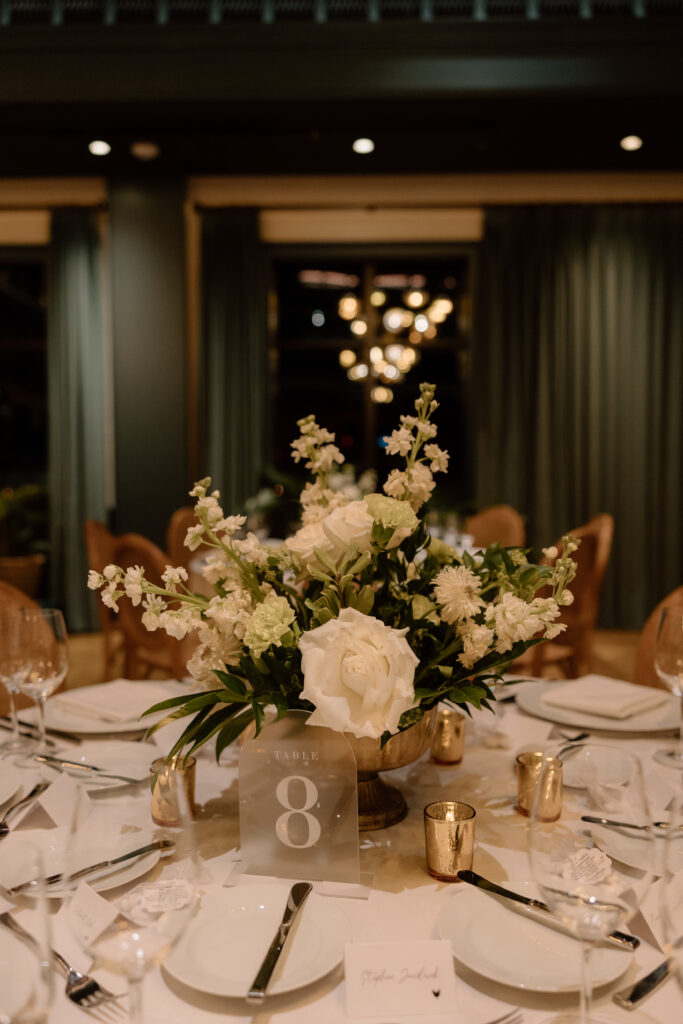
[{"x": 379, "y": 804}]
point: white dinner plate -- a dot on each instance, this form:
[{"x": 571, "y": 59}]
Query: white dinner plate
[
  {"x": 117, "y": 757},
  {"x": 634, "y": 850},
  {"x": 93, "y": 849},
  {"x": 69, "y": 720},
  {"x": 664, "y": 718},
  {"x": 10, "y": 780},
  {"x": 18, "y": 975},
  {"x": 514, "y": 948},
  {"x": 224, "y": 946}
]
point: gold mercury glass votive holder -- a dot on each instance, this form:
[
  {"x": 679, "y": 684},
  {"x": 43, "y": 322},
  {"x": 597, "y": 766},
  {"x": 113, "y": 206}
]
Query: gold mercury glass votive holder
[
  {"x": 449, "y": 838},
  {"x": 166, "y": 777},
  {"x": 449, "y": 737},
  {"x": 528, "y": 767}
]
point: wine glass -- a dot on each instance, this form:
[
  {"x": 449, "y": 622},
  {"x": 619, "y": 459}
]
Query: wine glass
[
  {"x": 153, "y": 914},
  {"x": 26, "y": 979},
  {"x": 578, "y": 872},
  {"x": 669, "y": 668},
  {"x": 13, "y": 666},
  {"x": 43, "y": 646}
]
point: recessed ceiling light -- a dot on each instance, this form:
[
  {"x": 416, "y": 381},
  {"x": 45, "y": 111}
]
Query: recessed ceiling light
[
  {"x": 631, "y": 143},
  {"x": 98, "y": 147},
  {"x": 363, "y": 146},
  {"x": 145, "y": 150}
]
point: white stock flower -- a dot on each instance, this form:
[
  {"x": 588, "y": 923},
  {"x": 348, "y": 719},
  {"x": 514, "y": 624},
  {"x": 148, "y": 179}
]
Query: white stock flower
[
  {"x": 230, "y": 525},
  {"x": 420, "y": 485},
  {"x": 154, "y": 608},
  {"x": 110, "y": 572},
  {"x": 193, "y": 537},
  {"x": 269, "y": 623},
  {"x": 173, "y": 577},
  {"x": 95, "y": 580},
  {"x": 110, "y": 596},
  {"x": 458, "y": 590},
  {"x": 399, "y": 442},
  {"x": 358, "y": 674},
  {"x": 514, "y": 620},
  {"x": 477, "y": 641},
  {"x": 439, "y": 458},
  {"x": 550, "y": 553}
]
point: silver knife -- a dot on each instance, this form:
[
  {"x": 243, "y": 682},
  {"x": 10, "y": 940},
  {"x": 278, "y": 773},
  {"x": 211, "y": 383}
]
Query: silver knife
[
  {"x": 634, "y": 994},
  {"x": 295, "y": 900},
  {"x": 57, "y": 762},
  {"x": 626, "y": 824},
  {"x": 622, "y": 939},
  {"x": 165, "y": 845}
]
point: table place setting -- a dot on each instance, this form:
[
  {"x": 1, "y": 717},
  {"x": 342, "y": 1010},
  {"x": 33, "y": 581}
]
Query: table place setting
[{"x": 377, "y": 838}]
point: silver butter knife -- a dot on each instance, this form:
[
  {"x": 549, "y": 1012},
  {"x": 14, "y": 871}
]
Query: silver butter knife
[
  {"x": 59, "y": 763},
  {"x": 634, "y": 994},
  {"x": 165, "y": 845},
  {"x": 295, "y": 900},
  {"x": 622, "y": 939}
]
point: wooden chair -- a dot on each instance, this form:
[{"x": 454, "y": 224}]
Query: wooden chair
[
  {"x": 12, "y": 601},
  {"x": 497, "y": 523},
  {"x": 99, "y": 542},
  {"x": 645, "y": 652},
  {"x": 571, "y": 651},
  {"x": 146, "y": 651}
]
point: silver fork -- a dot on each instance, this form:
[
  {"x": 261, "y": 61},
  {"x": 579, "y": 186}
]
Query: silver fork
[{"x": 80, "y": 988}]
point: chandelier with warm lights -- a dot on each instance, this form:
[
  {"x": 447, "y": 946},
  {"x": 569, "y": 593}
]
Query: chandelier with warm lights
[{"x": 390, "y": 334}]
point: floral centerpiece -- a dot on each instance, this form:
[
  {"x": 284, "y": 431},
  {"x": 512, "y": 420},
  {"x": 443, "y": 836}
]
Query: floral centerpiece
[{"x": 360, "y": 618}]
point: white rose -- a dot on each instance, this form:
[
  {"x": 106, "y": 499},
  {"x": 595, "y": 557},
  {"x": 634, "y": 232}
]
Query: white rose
[
  {"x": 358, "y": 673},
  {"x": 304, "y": 542},
  {"x": 346, "y": 526}
]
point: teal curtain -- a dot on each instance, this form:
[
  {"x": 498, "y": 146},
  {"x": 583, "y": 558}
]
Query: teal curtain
[
  {"x": 234, "y": 379},
  {"x": 578, "y": 384},
  {"x": 76, "y": 400}
]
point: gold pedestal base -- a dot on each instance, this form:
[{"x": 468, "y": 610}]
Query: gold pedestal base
[{"x": 379, "y": 805}]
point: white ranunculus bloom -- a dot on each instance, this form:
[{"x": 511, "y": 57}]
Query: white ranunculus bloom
[
  {"x": 358, "y": 673},
  {"x": 348, "y": 526}
]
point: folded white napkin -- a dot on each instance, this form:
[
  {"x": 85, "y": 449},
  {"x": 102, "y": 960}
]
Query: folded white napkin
[
  {"x": 600, "y": 695},
  {"x": 121, "y": 700}
]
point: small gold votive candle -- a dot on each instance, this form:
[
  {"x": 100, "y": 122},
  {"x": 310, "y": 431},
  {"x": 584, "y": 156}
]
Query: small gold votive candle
[
  {"x": 528, "y": 766},
  {"x": 449, "y": 838},
  {"x": 449, "y": 737},
  {"x": 166, "y": 777}
]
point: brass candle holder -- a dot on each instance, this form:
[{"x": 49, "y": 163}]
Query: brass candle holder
[
  {"x": 449, "y": 737},
  {"x": 449, "y": 838},
  {"x": 167, "y": 778},
  {"x": 528, "y": 767}
]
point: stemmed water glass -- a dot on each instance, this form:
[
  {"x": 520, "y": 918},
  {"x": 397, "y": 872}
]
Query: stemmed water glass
[
  {"x": 13, "y": 666},
  {"x": 592, "y": 893},
  {"x": 153, "y": 914},
  {"x": 669, "y": 668},
  {"x": 43, "y": 647},
  {"x": 26, "y": 977}
]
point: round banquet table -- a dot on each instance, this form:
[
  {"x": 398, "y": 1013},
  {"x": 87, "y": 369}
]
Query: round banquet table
[{"x": 403, "y": 901}]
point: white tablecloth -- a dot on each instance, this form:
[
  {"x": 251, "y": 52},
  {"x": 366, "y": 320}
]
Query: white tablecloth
[{"x": 404, "y": 901}]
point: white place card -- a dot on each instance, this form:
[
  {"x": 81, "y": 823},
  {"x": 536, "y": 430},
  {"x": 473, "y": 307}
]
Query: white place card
[
  {"x": 399, "y": 978},
  {"x": 57, "y": 806},
  {"x": 88, "y": 914}
]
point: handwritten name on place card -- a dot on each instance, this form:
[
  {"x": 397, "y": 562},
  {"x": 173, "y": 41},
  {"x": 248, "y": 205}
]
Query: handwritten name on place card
[{"x": 399, "y": 978}]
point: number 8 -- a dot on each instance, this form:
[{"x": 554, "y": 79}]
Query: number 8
[{"x": 282, "y": 823}]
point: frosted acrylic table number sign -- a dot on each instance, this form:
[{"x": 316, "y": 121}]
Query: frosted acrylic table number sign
[{"x": 299, "y": 803}]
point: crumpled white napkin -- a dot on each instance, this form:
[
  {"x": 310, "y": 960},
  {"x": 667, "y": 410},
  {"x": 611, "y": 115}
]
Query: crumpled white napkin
[
  {"x": 600, "y": 695},
  {"x": 121, "y": 700}
]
